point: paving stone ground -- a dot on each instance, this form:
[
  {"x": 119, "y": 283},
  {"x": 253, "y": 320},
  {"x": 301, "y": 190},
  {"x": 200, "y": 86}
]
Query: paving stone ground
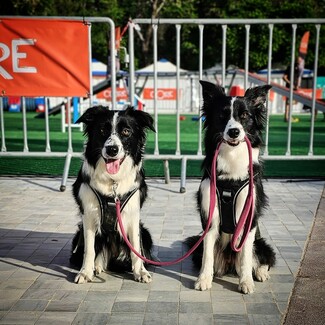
[{"x": 37, "y": 223}]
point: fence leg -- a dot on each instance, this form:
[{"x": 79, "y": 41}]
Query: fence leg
[
  {"x": 166, "y": 172},
  {"x": 183, "y": 175},
  {"x": 65, "y": 172}
]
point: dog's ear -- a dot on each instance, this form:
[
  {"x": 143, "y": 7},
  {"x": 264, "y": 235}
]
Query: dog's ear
[
  {"x": 90, "y": 114},
  {"x": 257, "y": 95},
  {"x": 143, "y": 118},
  {"x": 146, "y": 120},
  {"x": 210, "y": 90}
]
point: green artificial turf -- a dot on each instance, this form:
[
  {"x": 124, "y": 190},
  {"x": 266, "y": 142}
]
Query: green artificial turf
[{"x": 167, "y": 145}]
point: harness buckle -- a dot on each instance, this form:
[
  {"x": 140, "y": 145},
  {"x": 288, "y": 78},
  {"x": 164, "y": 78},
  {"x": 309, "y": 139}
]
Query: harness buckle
[{"x": 114, "y": 188}]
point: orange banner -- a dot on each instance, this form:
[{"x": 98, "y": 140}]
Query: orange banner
[
  {"x": 44, "y": 58},
  {"x": 121, "y": 94},
  {"x": 162, "y": 93},
  {"x": 309, "y": 92}
]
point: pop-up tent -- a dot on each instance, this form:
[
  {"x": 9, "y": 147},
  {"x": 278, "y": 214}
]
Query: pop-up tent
[
  {"x": 167, "y": 92},
  {"x": 164, "y": 68}
]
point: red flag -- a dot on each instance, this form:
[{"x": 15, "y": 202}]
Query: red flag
[
  {"x": 304, "y": 45},
  {"x": 117, "y": 38}
]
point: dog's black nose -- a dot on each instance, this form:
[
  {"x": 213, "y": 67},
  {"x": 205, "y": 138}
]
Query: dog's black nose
[
  {"x": 112, "y": 150},
  {"x": 234, "y": 133}
]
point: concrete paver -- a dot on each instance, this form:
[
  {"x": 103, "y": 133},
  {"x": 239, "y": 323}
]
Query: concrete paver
[
  {"x": 37, "y": 223},
  {"x": 307, "y": 303}
]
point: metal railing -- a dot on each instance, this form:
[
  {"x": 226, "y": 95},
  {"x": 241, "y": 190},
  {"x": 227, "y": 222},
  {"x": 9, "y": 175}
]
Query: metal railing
[
  {"x": 249, "y": 79},
  {"x": 178, "y": 23},
  {"x": 69, "y": 153}
]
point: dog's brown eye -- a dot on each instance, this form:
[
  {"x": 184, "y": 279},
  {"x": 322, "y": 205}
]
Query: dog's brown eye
[
  {"x": 102, "y": 131},
  {"x": 244, "y": 115},
  {"x": 125, "y": 132}
]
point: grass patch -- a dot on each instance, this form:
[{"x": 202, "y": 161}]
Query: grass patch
[{"x": 189, "y": 131}]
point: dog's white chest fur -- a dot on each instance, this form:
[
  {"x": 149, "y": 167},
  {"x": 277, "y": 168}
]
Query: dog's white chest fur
[{"x": 233, "y": 162}]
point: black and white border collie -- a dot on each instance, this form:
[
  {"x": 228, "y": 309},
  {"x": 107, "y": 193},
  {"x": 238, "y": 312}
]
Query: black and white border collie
[
  {"x": 230, "y": 119},
  {"x": 112, "y": 167}
]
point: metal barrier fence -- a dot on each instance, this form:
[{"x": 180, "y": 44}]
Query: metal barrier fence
[
  {"x": 248, "y": 80},
  {"x": 69, "y": 153}
]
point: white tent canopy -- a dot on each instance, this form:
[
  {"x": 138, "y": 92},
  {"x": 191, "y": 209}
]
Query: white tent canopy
[
  {"x": 166, "y": 87},
  {"x": 163, "y": 67},
  {"x": 98, "y": 68}
]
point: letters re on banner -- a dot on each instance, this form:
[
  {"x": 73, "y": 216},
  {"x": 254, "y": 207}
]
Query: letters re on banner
[{"x": 41, "y": 57}]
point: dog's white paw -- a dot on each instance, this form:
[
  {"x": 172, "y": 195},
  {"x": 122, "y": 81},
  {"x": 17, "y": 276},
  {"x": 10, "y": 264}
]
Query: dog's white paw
[
  {"x": 204, "y": 282},
  {"x": 246, "y": 286},
  {"x": 98, "y": 269},
  {"x": 99, "y": 264},
  {"x": 262, "y": 273},
  {"x": 83, "y": 276},
  {"x": 143, "y": 277}
]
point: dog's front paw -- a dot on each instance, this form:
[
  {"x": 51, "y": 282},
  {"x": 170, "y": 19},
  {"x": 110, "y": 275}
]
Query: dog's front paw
[
  {"x": 99, "y": 264},
  {"x": 204, "y": 282},
  {"x": 262, "y": 273},
  {"x": 98, "y": 269},
  {"x": 142, "y": 276},
  {"x": 246, "y": 286},
  {"x": 83, "y": 276}
]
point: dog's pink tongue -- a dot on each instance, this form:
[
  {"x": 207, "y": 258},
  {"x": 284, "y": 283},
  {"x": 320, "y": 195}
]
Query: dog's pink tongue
[{"x": 113, "y": 166}]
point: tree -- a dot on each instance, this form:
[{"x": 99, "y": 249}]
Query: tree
[{"x": 122, "y": 10}]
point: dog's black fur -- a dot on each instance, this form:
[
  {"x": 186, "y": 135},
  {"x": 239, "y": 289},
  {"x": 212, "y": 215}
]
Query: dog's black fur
[
  {"x": 112, "y": 167},
  {"x": 230, "y": 119}
]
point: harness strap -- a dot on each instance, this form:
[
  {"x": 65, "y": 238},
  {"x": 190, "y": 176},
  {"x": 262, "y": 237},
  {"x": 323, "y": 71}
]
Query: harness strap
[
  {"x": 110, "y": 201},
  {"x": 227, "y": 198}
]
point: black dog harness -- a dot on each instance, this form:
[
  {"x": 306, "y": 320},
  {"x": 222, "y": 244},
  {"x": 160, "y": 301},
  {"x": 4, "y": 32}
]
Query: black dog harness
[
  {"x": 227, "y": 194},
  {"x": 108, "y": 202}
]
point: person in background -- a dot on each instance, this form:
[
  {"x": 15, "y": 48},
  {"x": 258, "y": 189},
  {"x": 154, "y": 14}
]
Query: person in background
[{"x": 297, "y": 74}]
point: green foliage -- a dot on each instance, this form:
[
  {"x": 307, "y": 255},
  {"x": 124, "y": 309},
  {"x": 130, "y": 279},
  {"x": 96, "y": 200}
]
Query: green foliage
[{"x": 121, "y": 10}]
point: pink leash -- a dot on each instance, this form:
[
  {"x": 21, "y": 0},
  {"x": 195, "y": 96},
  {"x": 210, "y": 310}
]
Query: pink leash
[
  {"x": 247, "y": 214},
  {"x": 246, "y": 217}
]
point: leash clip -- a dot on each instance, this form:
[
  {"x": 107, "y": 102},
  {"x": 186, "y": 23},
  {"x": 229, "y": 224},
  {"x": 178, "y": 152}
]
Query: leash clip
[{"x": 114, "y": 188}]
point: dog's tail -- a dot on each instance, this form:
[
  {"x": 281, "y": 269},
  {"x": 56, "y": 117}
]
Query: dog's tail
[
  {"x": 264, "y": 252},
  {"x": 120, "y": 260},
  {"x": 77, "y": 254},
  {"x": 198, "y": 253},
  {"x": 146, "y": 243}
]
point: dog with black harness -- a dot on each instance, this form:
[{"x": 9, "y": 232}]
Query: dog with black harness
[
  {"x": 112, "y": 170},
  {"x": 233, "y": 138}
]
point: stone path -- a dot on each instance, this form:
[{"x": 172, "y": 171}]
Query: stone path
[{"x": 37, "y": 223}]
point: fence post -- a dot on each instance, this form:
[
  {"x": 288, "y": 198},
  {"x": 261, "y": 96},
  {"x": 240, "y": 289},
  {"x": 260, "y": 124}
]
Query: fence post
[
  {"x": 183, "y": 175},
  {"x": 293, "y": 50},
  {"x": 23, "y": 106},
  {"x": 166, "y": 171},
  {"x": 201, "y": 27},
  {"x": 312, "y": 125},
  {"x": 178, "y": 60},
  {"x": 155, "y": 84},
  {"x": 247, "y": 27},
  {"x": 3, "y": 139},
  {"x": 269, "y": 67},
  {"x": 47, "y": 126}
]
